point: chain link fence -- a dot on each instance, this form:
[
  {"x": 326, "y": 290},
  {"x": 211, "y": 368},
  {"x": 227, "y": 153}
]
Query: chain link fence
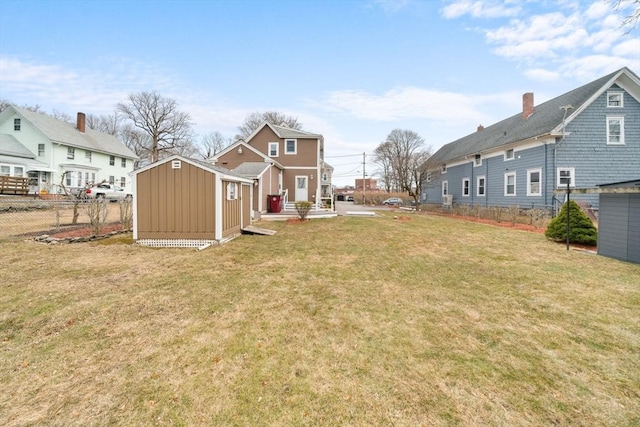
[{"x": 26, "y": 217}]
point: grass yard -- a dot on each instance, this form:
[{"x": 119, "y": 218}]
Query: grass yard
[{"x": 351, "y": 321}]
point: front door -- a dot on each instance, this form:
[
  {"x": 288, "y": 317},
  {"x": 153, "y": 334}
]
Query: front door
[{"x": 302, "y": 193}]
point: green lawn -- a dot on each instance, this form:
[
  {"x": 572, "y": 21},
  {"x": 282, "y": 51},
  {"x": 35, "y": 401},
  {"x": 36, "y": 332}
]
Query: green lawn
[{"x": 348, "y": 321}]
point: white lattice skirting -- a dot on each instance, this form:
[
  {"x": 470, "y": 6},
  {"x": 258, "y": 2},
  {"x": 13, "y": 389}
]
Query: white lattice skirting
[{"x": 176, "y": 243}]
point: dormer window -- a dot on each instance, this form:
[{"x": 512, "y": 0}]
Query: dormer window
[
  {"x": 615, "y": 100},
  {"x": 444, "y": 168}
]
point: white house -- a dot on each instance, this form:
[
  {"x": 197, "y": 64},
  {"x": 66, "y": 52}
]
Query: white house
[{"x": 45, "y": 149}]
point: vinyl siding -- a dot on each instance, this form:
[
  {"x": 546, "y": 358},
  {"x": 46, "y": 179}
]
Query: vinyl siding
[{"x": 619, "y": 226}]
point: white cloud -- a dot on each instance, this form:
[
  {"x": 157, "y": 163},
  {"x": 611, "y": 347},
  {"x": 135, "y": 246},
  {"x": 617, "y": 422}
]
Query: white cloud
[
  {"x": 542, "y": 75},
  {"x": 479, "y": 9}
]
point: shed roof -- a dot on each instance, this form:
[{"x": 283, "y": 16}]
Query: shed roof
[{"x": 224, "y": 172}]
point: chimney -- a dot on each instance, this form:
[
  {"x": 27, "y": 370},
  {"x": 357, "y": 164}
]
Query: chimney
[
  {"x": 480, "y": 127},
  {"x": 527, "y": 105},
  {"x": 81, "y": 122}
]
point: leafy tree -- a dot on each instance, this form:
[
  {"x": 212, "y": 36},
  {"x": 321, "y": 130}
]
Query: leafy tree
[
  {"x": 168, "y": 129},
  {"x": 255, "y": 119},
  {"x": 581, "y": 229}
]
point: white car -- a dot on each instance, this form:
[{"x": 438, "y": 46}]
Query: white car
[{"x": 108, "y": 192}]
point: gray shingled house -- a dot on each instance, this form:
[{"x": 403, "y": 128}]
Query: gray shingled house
[{"x": 585, "y": 137}]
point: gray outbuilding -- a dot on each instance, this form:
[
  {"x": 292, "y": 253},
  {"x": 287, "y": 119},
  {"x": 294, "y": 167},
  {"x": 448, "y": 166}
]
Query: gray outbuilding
[{"x": 619, "y": 221}]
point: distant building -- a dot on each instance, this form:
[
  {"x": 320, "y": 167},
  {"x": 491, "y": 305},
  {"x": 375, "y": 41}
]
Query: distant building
[{"x": 366, "y": 184}]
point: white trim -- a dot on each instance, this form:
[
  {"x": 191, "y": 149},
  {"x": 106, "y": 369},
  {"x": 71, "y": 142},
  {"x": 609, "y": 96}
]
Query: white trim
[
  {"x": 468, "y": 181},
  {"x": 539, "y": 172},
  {"x": 609, "y": 120},
  {"x": 506, "y": 184},
  {"x": 484, "y": 187}
]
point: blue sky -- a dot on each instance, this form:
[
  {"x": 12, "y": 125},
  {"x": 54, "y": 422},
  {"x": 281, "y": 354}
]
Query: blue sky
[{"x": 352, "y": 70}]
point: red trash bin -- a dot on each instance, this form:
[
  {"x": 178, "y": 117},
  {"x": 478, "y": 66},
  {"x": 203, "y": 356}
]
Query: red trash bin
[{"x": 274, "y": 205}]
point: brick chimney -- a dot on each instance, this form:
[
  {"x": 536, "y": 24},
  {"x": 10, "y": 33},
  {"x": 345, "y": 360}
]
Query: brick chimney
[
  {"x": 480, "y": 127},
  {"x": 81, "y": 122},
  {"x": 527, "y": 105}
]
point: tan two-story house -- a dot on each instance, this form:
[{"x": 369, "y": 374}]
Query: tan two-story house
[{"x": 281, "y": 161}]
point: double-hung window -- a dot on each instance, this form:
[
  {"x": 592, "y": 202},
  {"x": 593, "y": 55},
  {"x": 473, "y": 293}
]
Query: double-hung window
[
  {"x": 615, "y": 100},
  {"x": 510, "y": 184},
  {"x": 534, "y": 182},
  {"x": 566, "y": 175},
  {"x": 40, "y": 150},
  {"x": 290, "y": 146},
  {"x": 481, "y": 185},
  {"x": 71, "y": 153},
  {"x": 87, "y": 156},
  {"x": 445, "y": 188},
  {"x": 123, "y": 162},
  {"x": 112, "y": 160},
  {"x": 273, "y": 149},
  {"x": 16, "y": 125},
  {"x": 615, "y": 130},
  {"x": 465, "y": 187}
]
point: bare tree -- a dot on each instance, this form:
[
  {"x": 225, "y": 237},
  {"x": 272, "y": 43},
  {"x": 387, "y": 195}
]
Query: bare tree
[
  {"x": 137, "y": 141},
  {"x": 254, "y": 120},
  {"x": 211, "y": 144},
  {"x": 383, "y": 158},
  {"x": 63, "y": 117},
  {"x": 158, "y": 117},
  {"x": 630, "y": 20},
  {"x": 104, "y": 123},
  {"x": 4, "y": 103},
  {"x": 407, "y": 158}
]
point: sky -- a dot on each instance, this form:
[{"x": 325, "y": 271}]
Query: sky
[{"x": 351, "y": 70}]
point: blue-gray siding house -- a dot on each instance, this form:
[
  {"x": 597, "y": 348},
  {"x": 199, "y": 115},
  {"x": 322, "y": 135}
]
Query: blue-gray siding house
[{"x": 587, "y": 136}]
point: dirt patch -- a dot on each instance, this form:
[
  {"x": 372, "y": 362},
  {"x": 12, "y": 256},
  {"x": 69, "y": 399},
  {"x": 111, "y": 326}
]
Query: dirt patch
[
  {"x": 83, "y": 230},
  {"x": 402, "y": 218},
  {"x": 296, "y": 220}
]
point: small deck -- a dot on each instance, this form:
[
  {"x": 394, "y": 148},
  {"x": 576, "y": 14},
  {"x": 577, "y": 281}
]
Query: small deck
[{"x": 286, "y": 214}]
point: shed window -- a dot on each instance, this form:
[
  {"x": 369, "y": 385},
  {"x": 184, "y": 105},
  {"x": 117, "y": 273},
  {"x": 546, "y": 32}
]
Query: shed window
[{"x": 232, "y": 191}]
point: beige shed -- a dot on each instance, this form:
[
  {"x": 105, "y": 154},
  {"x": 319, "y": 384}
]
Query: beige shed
[{"x": 180, "y": 202}]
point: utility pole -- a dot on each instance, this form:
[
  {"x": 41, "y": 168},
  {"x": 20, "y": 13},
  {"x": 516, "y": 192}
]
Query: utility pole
[{"x": 364, "y": 174}]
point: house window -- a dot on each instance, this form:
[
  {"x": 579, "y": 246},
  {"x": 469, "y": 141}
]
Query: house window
[
  {"x": 5, "y": 170},
  {"x": 465, "y": 187},
  {"x": 290, "y": 146},
  {"x": 123, "y": 162},
  {"x": 87, "y": 156},
  {"x": 615, "y": 130},
  {"x": 93, "y": 178},
  {"x": 273, "y": 149},
  {"x": 445, "y": 188},
  {"x": 40, "y": 150},
  {"x": 510, "y": 184},
  {"x": 325, "y": 177},
  {"x": 444, "y": 168},
  {"x": 112, "y": 160},
  {"x": 615, "y": 100},
  {"x": 232, "y": 194},
  {"x": 534, "y": 187},
  {"x": 481, "y": 185},
  {"x": 16, "y": 125},
  {"x": 112, "y": 180},
  {"x": 79, "y": 179},
  {"x": 123, "y": 181},
  {"x": 67, "y": 176},
  {"x": 508, "y": 155},
  {"x": 71, "y": 153},
  {"x": 566, "y": 175},
  {"x": 428, "y": 176},
  {"x": 478, "y": 160},
  {"x": 18, "y": 171}
]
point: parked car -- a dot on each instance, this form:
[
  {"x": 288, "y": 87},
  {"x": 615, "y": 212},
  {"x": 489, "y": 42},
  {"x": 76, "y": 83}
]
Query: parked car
[
  {"x": 393, "y": 201},
  {"x": 108, "y": 192},
  {"x": 350, "y": 199}
]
